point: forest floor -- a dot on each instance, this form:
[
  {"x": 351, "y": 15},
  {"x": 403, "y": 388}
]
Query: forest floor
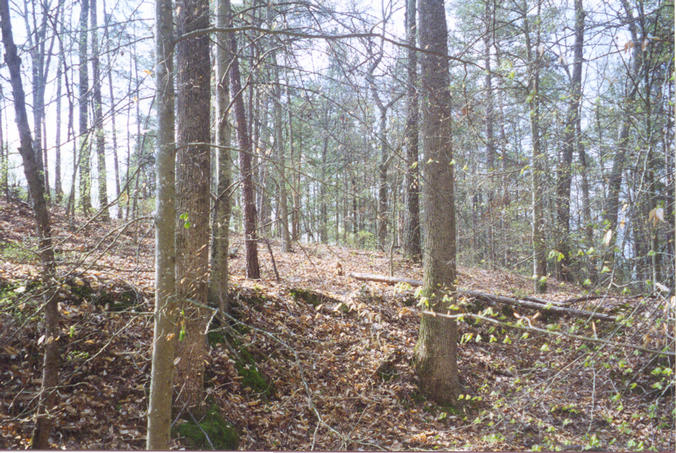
[{"x": 333, "y": 354}]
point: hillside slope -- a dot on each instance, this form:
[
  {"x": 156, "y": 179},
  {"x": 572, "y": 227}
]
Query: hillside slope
[{"x": 332, "y": 354}]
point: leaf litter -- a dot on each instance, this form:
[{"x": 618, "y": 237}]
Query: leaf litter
[{"x": 341, "y": 368}]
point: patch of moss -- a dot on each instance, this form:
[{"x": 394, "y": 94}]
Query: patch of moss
[
  {"x": 215, "y": 337},
  {"x": 221, "y": 434},
  {"x": 80, "y": 289},
  {"x": 250, "y": 296},
  {"x": 252, "y": 377},
  {"x": 13, "y": 251},
  {"x": 116, "y": 300},
  {"x": 313, "y": 298}
]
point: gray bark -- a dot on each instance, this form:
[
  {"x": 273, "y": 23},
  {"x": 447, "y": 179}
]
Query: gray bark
[
  {"x": 30, "y": 156},
  {"x": 84, "y": 157},
  {"x": 165, "y": 331},
  {"x": 218, "y": 280},
  {"x": 98, "y": 115},
  {"x": 412, "y": 229},
  {"x": 192, "y": 203},
  {"x": 435, "y": 352}
]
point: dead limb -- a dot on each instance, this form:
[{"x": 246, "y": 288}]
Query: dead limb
[{"x": 541, "y": 304}]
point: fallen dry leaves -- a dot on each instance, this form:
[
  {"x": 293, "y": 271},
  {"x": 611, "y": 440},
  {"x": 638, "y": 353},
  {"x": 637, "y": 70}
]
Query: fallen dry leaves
[{"x": 341, "y": 368}]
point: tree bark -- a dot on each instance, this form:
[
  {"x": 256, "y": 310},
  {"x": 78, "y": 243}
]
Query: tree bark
[
  {"x": 612, "y": 204},
  {"x": 218, "y": 279},
  {"x": 165, "y": 331},
  {"x": 281, "y": 163},
  {"x": 98, "y": 115},
  {"x": 489, "y": 19},
  {"x": 571, "y": 140},
  {"x": 245, "y": 152},
  {"x": 85, "y": 167},
  {"x": 4, "y": 151},
  {"x": 192, "y": 187},
  {"x": 113, "y": 112},
  {"x": 535, "y": 53},
  {"x": 435, "y": 352},
  {"x": 412, "y": 230},
  {"x": 50, "y": 368},
  {"x": 58, "y": 185}
]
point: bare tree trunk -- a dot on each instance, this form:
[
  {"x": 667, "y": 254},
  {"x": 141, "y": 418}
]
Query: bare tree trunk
[
  {"x": 192, "y": 187},
  {"x": 250, "y": 239},
  {"x": 4, "y": 151},
  {"x": 535, "y": 53},
  {"x": 281, "y": 162},
  {"x": 323, "y": 210},
  {"x": 58, "y": 185},
  {"x": 412, "y": 232},
  {"x": 435, "y": 351},
  {"x": 615, "y": 179},
  {"x": 165, "y": 332},
  {"x": 489, "y": 18},
  {"x": 85, "y": 167},
  {"x": 98, "y": 116},
  {"x": 50, "y": 368},
  {"x": 295, "y": 176},
  {"x": 571, "y": 139},
  {"x": 218, "y": 279},
  {"x": 113, "y": 110}
]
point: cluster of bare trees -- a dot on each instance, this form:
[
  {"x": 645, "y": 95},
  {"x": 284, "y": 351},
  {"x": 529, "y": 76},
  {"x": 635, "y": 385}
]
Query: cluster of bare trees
[
  {"x": 182, "y": 297},
  {"x": 546, "y": 132}
]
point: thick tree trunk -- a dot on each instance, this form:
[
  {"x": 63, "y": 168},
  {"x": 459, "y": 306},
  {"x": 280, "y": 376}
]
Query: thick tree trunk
[
  {"x": 192, "y": 188},
  {"x": 435, "y": 351},
  {"x": 412, "y": 229},
  {"x": 165, "y": 333},
  {"x": 50, "y": 368},
  {"x": 218, "y": 279},
  {"x": 248, "y": 197},
  {"x": 98, "y": 116},
  {"x": 85, "y": 166}
]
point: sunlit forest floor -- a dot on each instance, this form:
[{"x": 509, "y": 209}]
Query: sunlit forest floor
[{"x": 332, "y": 355}]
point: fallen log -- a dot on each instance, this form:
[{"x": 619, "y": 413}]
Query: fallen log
[{"x": 542, "y": 304}]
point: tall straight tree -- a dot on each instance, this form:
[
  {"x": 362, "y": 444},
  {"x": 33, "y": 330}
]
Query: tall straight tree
[
  {"x": 192, "y": 204},
  {"x": 98, "y": 114},
  {"x": 30, "y": 157},
  {"x": 489, "y": 18},
  {"x": 435, "y": 352},
  {"x": 535, "y": 52},
  {"x": 85, "y": 167},
  {"x": 165, "y": 332},
  {"x": 218, "y": 279},
  {"x": 571, "y": 139},
  {"x": 245, "y": 167},
  {"x": 412, "y": 231},
  {"x": 113, "y": 112}
]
